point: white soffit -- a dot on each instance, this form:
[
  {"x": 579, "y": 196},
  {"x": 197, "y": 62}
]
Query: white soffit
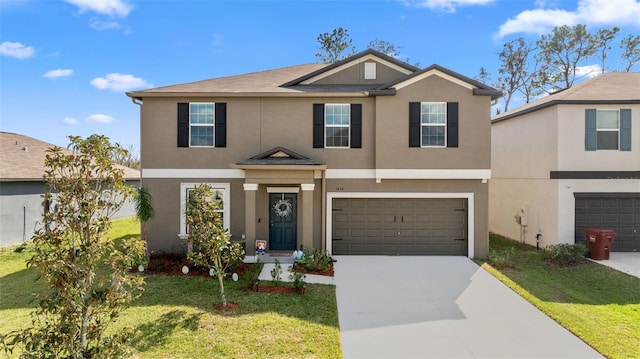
[
  {"x": 355, "y": 62},
  {"x": 433, "y": 72}
]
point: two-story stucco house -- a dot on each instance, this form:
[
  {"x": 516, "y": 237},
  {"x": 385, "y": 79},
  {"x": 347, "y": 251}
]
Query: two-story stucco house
[
  {"x": 570, "y": 161},
  {"x": 369, "y": 155}
]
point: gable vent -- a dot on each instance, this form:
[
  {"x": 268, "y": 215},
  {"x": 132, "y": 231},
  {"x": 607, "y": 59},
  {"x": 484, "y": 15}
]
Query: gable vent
[{"x": 369, "y": 70}]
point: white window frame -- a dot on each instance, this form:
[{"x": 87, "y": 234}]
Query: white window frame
[
  {"x": 212, "y": 125},
  {"x": 348, "y": 126},
  {"x": 423, "y": 125},
  {"x": 226, "y": 208},
  {"x": 617, "y": 130}
]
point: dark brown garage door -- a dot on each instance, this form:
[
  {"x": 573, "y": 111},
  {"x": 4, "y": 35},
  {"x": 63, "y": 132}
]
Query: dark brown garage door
[
  {"x": 407, "y": 226},
  {"x": 617, "y": 211}
]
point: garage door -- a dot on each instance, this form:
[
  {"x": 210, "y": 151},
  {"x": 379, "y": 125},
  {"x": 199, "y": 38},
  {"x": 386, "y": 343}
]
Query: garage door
[
  {"x": 406, "y": 226},
  {"x": 620, "y": 212}
]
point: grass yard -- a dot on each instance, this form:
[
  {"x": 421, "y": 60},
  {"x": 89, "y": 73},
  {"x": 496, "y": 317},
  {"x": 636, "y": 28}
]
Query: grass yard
[
  {"x": 596, "y": 303},
  {"x": 175, "y": 317}
]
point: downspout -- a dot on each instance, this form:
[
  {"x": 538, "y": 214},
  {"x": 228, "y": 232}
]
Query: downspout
[
  {"x": 323, "y": 210},
  {"x": 138, "y": 101}
]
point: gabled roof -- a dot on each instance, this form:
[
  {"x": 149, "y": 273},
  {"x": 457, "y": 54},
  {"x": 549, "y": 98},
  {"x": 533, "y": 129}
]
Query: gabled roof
[
  {"x": 23, "y": 159},
  {"x": 479, "y": 88},
  {"x": 279, "y": 156},
  {"x": 327, "y": 68},
  {"x": 610, "y": 88},
  {"x": 300, "y": 81}
]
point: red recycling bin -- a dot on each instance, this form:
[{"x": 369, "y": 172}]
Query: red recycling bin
[{"x": 599, "y": 242}]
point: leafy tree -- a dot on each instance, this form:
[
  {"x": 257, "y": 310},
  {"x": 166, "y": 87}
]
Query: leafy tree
[
  {"x": 563, "y": 50},
  {"x": 514, "y": 73},
  {"x": 603, "y": 37},
  {"x": 631, "y": 50},
  {"x": 87, "y": 273},
  {"x": 144, "y": 212},
  {"x": 385, "y": 47},
  {"x": 484, "y": 76},
  {"x": 212, "y": 243},
  {"x": 333, "y": 45}
]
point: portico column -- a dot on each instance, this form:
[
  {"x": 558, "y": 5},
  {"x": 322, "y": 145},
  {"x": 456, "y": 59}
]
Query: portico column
[
  {"x": 250, "y": 217},
  {"x": 307, "y": 215}
]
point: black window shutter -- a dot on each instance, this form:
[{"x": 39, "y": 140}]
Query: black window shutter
[
  {"x": 183, "y": 124},
  {"x": 414, "y": 124},
  {"x": 221, "y": 124},
  {"x": 625, "y": 129},
  {"x": 590, "y": 130},
  {"x": 356, "y": 125},
  {"x": 452, "y": 124},
  {"x": 318, "y": 125}
]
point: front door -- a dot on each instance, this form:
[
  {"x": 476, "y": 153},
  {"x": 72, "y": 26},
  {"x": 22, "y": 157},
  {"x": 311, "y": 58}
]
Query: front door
[{"x": 282, "y": 220}]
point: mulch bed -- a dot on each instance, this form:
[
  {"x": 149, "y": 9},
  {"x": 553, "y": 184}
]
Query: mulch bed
[
  {"x": 171, "y": 264},
  {"x": 298, "y": 267}
]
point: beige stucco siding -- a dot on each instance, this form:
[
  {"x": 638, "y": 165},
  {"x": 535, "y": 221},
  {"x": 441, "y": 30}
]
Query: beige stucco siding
[
  {"x": 392, "y": 128},
  {"x": 534, "y": 153},
  {"x": 354, "y": 74},
  {"x": 571, "y": 147},
  {"x": 254, "y": 125},
  {"x": 538, "y": 198}
]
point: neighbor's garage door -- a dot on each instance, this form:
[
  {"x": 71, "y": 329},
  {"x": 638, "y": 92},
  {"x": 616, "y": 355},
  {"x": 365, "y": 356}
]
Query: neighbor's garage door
[
  {"x": 617, "y": 211},
  {"x": 399, "y": 226}
]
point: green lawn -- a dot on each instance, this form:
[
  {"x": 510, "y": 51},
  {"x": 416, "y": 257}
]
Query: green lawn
[
  {"x": 175, "y": 317},
  {"x": 598, "y": 304}
]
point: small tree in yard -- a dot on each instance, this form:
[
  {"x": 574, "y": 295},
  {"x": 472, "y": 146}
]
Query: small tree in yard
[
  {"x": 87, "y": 273},
  {"x": 144, "y": 212},
  {"x": 212, "y": 243}
]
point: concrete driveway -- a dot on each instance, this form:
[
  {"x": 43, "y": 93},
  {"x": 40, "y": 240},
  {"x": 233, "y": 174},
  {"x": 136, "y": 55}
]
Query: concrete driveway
[{"x": 440, "y": 307}]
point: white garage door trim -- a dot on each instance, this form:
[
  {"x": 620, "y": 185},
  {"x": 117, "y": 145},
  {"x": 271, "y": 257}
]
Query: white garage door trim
[{"x": 468, "y": 196}]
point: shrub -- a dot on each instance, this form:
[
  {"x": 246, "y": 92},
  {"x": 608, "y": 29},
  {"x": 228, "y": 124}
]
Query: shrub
[
  {"x": 503, "y": 258},
  {"x": 564, "y": 254},
  {"x": 297, "y": 279},
  {"x": 252, "y": 273},
  {"x": 319, "y": 261},
  {"x": 276, "y": 272}
]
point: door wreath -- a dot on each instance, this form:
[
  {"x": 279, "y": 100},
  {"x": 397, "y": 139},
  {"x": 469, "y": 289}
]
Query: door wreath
[{"x": 282, "y": 208}]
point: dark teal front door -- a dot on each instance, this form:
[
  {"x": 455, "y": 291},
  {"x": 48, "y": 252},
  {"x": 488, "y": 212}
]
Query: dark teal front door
[{"x": 282, "y": 220}]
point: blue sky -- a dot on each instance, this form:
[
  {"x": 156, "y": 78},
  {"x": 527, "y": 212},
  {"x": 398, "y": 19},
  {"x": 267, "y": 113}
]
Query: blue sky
[{"x": 65, "y": 65}]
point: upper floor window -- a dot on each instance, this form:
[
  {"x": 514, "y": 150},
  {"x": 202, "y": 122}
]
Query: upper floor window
[
  {"x": 337, "y": 125},
  {"x": 608, "y": 129},
  {"x": 202, "y": 124},
  {"x": 433, "y": 124},
  {"x": 337, "y": 119},
  {"x": 433, "y": 119}
]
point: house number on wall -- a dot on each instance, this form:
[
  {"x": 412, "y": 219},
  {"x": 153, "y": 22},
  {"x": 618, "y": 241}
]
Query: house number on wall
[{"x": 339, "y": 189}]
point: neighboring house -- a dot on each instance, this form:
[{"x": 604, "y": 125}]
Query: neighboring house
[
  {"x": 369, "y": 155},
  {"x": 22, "y": 187},
  {"x": 570, "y": 161}
]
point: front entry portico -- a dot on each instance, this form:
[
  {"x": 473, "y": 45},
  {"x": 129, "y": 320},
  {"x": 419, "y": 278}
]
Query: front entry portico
[{"x": 280, "y": 186}]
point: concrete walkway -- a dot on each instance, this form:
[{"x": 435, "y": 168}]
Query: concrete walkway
[
  {"x": 627, "y": 262},
  {"x": 440, "y": 307}
]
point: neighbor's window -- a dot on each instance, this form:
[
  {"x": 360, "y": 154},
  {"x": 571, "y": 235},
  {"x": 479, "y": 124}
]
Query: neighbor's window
[
  {"x": 608, "y": 129},
  {"x": 337, "y": 119},
  {"x": 433, "y": 118},
  {"x": 201, "y": 123},
  {"x": 221, "y": 192}
]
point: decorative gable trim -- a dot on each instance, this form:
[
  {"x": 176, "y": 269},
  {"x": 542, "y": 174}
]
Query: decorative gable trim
[
  {"x": 355, "y": 62},
  {"x": 366, "y": 55},
  {"x": 433, "y": 72}
]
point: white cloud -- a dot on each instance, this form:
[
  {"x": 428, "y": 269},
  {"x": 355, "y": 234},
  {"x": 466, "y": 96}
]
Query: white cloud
[
  {"x": 588, "y": 12},
  {"x": 449, "y": 6},
  {"x": 119, "y": 82},
  {"x": 16, "y": 49},
  {"x": 106, "y": 7},
  {"x": 54, "y": 74},
  {"x": 70, "y": 121},
  {"x": 104, "y": 25},
  {"x": 588, "y": 71},
  {"x": 100, "y": 118}
]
